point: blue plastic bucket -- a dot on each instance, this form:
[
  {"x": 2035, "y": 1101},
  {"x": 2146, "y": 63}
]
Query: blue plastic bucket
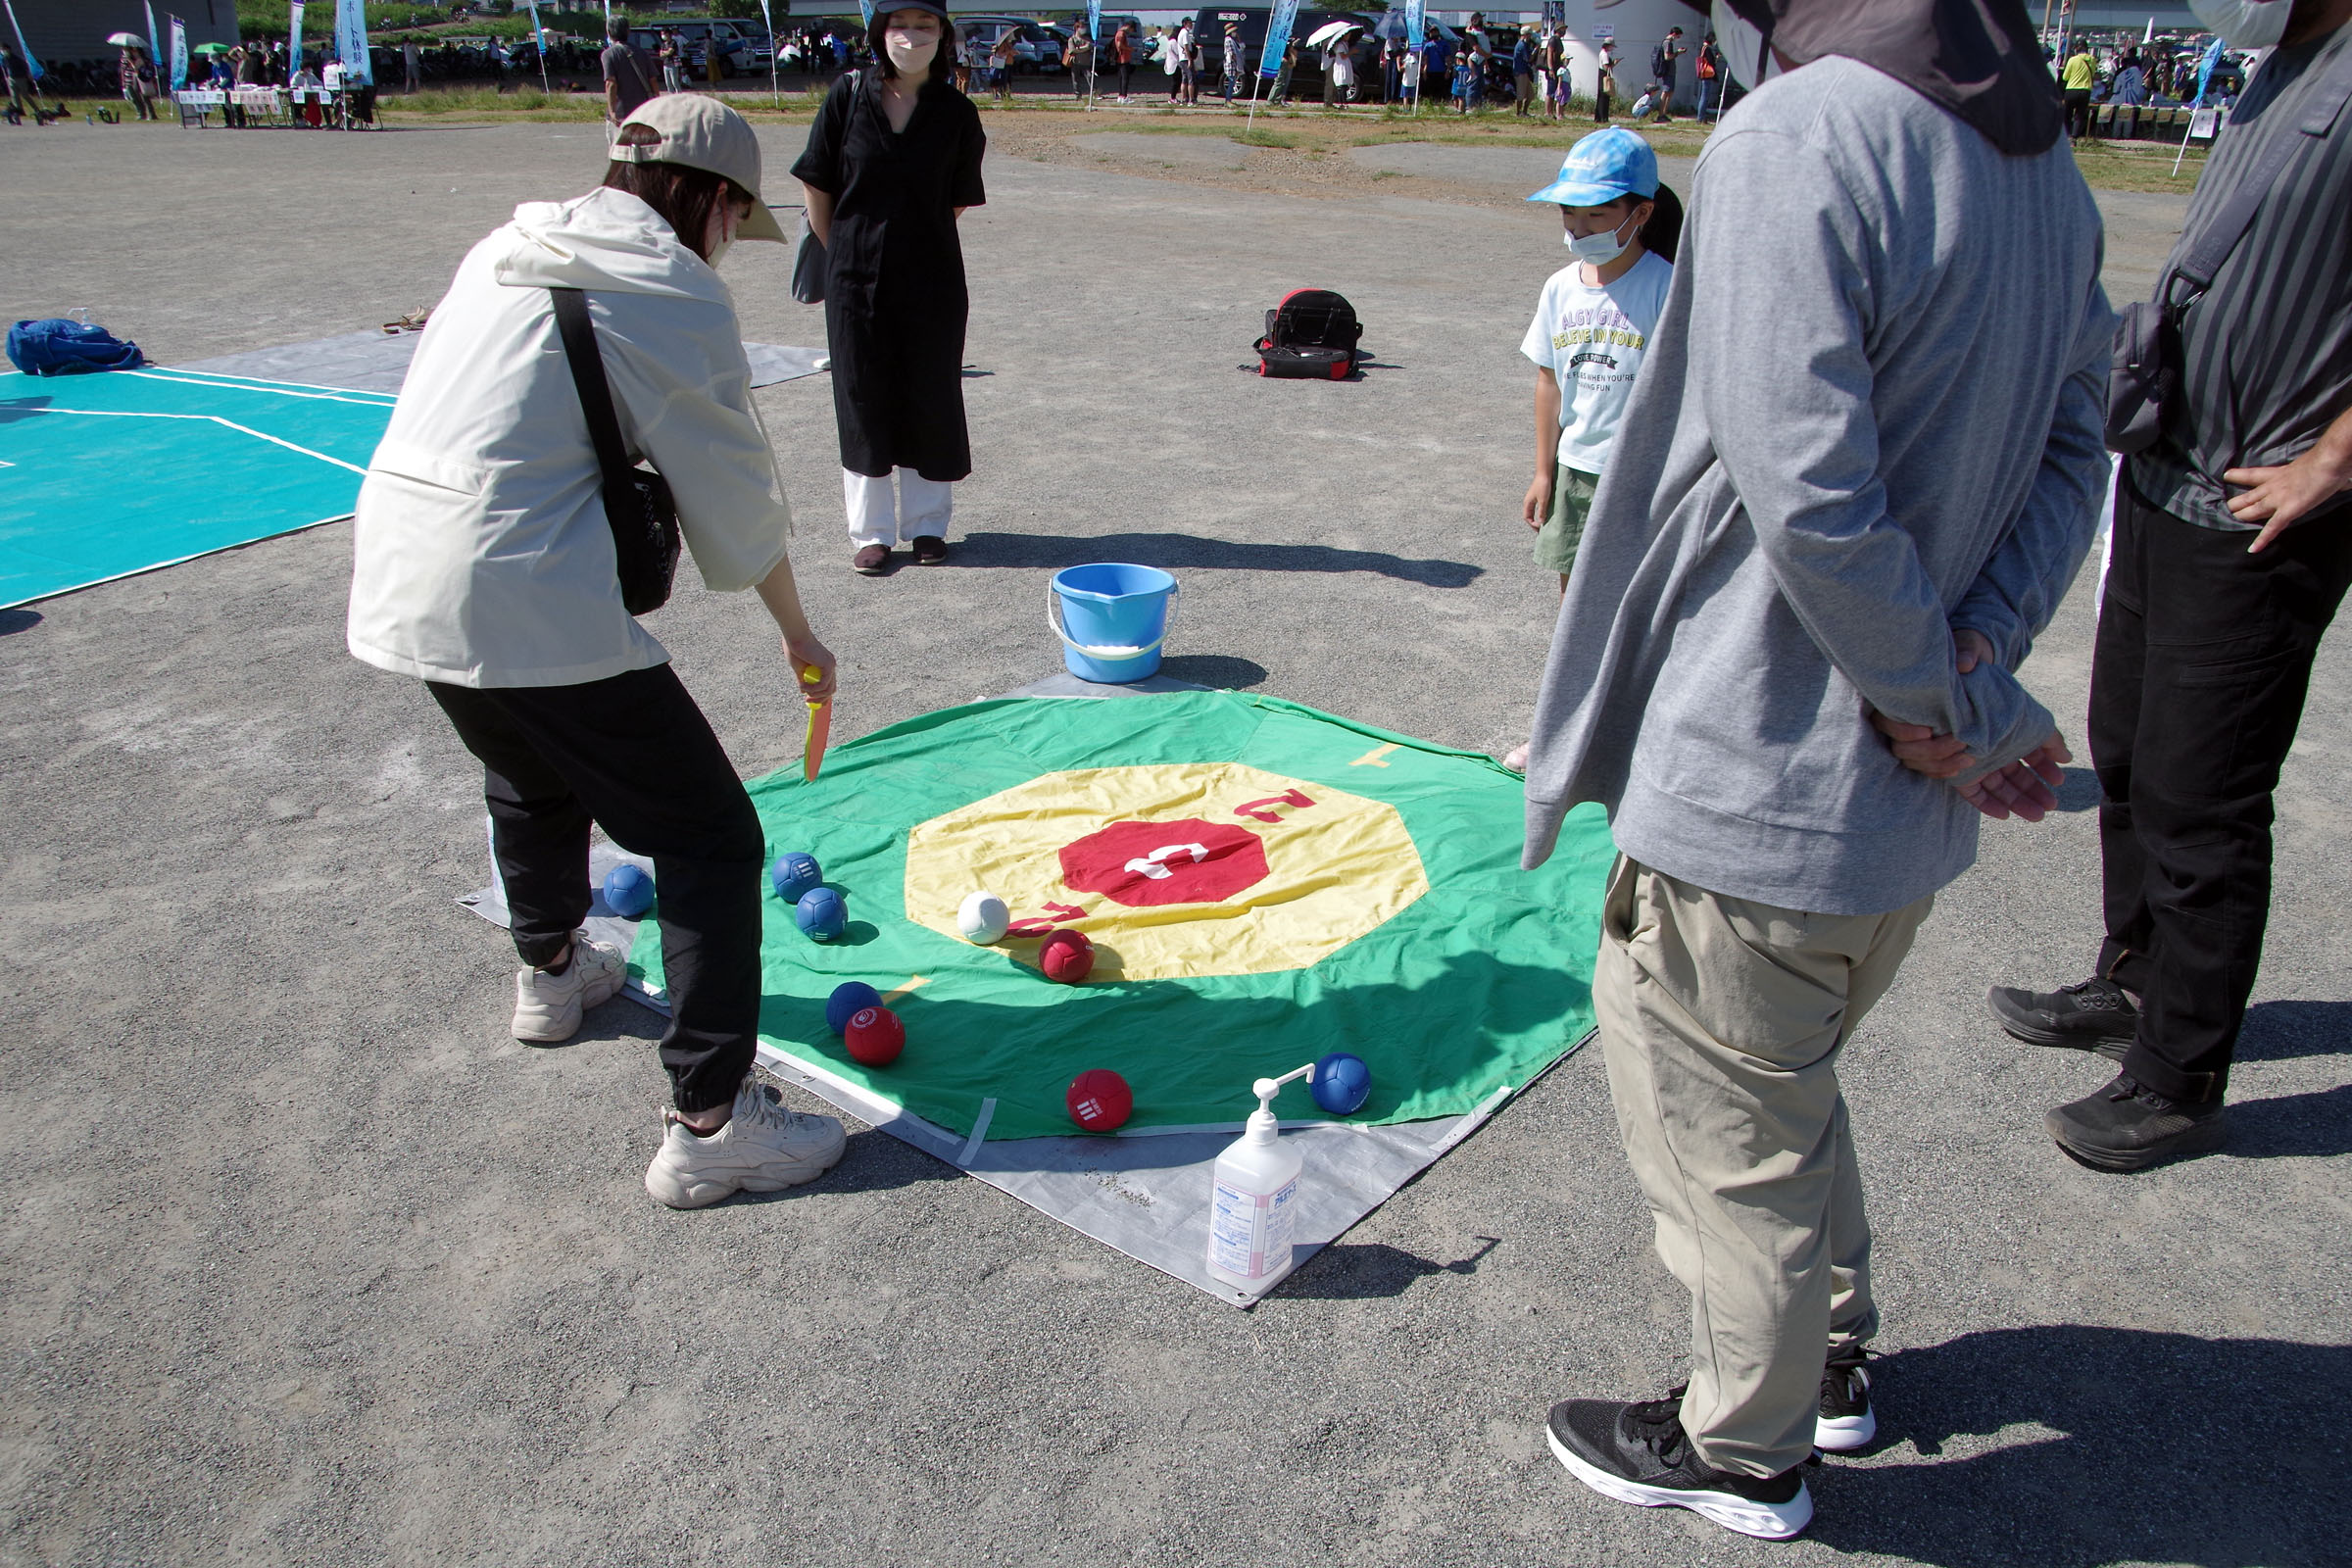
[{"x": 1113, "y": 619}]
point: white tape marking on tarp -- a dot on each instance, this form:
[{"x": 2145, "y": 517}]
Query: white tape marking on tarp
[{"x": 971, "y": 1144}]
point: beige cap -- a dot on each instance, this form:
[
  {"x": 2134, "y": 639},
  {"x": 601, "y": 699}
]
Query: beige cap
[{"x": 685, "y": 127}]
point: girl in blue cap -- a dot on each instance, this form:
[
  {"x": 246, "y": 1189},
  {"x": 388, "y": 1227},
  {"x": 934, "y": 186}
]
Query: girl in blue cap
[
  {"x": 1591, "y": 328},
  {"x": 1592, "y": 325}
]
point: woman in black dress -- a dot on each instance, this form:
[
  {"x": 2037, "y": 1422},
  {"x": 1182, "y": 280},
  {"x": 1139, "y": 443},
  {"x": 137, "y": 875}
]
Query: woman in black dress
[{"x": 892, "y": 161}]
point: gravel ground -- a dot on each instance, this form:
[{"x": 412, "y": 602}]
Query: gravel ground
[{"x": 301, "y": 1260}]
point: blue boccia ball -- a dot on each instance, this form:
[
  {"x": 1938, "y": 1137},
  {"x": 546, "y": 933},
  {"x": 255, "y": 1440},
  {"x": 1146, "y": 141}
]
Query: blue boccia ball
[
  {"x": 795, "y": 874},
  {"x": 628, "y": 891},
  {"x": 1343, "y": 1083},
  {"x": 848, "y": 999},
  {"x": 820, "y": 914}
]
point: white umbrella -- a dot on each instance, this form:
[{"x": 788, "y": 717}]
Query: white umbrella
[
  {"x": 127, "y": 40},
  {"x": 1328, "y": 31}
]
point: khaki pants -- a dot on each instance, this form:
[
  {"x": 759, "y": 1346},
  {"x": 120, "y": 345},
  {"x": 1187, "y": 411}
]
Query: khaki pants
[{"x": 1721, "y": 1021}]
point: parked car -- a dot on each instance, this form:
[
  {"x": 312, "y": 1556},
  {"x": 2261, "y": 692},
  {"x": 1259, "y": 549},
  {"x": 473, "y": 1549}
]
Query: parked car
[
  {"x": 743, "y": 48},
  {"x": 1030, "y": 44}
]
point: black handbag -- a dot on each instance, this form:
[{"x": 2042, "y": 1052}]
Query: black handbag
[
  {"x": 637, "y": 500},
  {"x": 2145, "y": 376},
  {"x": 809, "y": 267}
]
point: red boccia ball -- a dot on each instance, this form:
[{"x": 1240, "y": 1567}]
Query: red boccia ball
[
  {"x": 1099, "y": 1100},
  {"x": 1066, "y": 957},
  {"x": 874, "y": 1037}
]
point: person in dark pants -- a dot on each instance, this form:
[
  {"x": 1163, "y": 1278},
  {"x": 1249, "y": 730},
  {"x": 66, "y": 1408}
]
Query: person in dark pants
[
  {"x": 2232, "y": 551},
  {"x": 484, "y": 564},
  {"x": 892, "y": 161}
]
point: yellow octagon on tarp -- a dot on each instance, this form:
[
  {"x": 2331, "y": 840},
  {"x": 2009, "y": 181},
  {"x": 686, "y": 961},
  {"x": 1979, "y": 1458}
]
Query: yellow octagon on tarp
[{"x": 1174, "y": 870}]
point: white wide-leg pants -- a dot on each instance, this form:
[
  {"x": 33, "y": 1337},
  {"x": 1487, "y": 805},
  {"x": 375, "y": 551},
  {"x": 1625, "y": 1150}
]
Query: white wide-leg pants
[{"x": 920, "y": 509}]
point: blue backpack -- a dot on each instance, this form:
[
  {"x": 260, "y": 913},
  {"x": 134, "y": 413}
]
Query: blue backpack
[{"x": 59, "y": 347}]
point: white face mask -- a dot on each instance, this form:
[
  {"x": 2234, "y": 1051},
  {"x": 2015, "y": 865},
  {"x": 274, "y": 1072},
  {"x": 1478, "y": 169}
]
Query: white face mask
[
  {"x": 2245, "y": 23},
  {"x": 1743, "y": 45},
  {"x": 723, "y": 223},
  {"x": 909, "y": 52},
  {"x": 1600, "y": 249}
]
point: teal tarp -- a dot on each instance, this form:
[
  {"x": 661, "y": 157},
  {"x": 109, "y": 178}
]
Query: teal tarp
[{"x": 109, "y": 475}]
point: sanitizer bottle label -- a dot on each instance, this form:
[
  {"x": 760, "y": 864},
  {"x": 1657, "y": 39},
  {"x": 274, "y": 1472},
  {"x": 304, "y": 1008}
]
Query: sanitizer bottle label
[{"x": 1250, "y": 1233}]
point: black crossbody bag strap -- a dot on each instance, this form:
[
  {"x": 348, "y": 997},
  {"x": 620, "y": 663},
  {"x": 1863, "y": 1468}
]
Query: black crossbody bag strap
[
  {"x": 2144, "y": 377},
  {"x": 638, "y": 505},
  {"x": 2203, "y": 260},
  {"x": 596, "y": 393}
]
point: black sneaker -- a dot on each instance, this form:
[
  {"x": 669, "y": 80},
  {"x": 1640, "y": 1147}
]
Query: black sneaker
[
  {"x": 1638, "y": 1453},
  {"x": 2091, "y": 1015},
  {"x": 1845, "y": 1422},
  {"x": 2129, "y": 1126}
]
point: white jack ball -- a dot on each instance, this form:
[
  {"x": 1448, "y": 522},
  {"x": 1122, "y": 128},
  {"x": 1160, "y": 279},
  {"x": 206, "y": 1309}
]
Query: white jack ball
[{"x": 982, "y": 917}]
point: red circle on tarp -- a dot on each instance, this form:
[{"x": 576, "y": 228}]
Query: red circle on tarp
[{"x": 1147, "y": 864}]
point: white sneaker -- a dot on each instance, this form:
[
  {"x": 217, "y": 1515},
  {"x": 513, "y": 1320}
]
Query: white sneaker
[
  {"x": 764, "y": 1147},
  {"x": 548, "y": 1007},
  {"x": 1845, "y": 1421}
]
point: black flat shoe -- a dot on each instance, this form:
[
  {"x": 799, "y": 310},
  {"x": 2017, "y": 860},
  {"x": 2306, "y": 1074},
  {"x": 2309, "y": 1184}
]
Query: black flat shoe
[{"x": 929, "y": 550}]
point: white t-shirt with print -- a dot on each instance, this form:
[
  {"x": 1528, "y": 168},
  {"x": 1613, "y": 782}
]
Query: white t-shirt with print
[{"x": 1592, "y": 341}]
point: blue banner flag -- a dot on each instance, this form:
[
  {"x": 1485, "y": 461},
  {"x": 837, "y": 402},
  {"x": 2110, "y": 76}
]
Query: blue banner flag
[
  {"x": 293, "y": 38},
  {"x": 1416, "y": 24},
  {"x": 155, "y": 41},
  {"x": 2213, "y": 57},
  {"x": 179, "y": 54},
  {"x": 351, "y": 43},
  {"x": 32, "y": 66},
  {"x": 1094, "y": 23},
  {"x": 1278, "y": 37}
]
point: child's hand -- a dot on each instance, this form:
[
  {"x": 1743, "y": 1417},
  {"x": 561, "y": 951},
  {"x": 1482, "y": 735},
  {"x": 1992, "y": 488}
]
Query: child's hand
[{"x": 1538, "y": 505}]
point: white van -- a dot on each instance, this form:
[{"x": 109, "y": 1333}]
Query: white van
[{"x": 743, "y": 48}]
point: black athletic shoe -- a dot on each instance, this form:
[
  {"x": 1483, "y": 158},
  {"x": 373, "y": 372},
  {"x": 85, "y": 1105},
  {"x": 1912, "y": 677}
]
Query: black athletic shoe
[
  {"x": 2129, "y": 1126},
  {"x": 2091, "y": 1015},
  {"x": 1638, "y": 1453},
  {"x": 1845, "y": 1422}
]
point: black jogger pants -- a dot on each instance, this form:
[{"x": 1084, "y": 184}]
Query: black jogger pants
[
  {"x": 2203, "y": 660},
  {"x": 633, "y": 754}
]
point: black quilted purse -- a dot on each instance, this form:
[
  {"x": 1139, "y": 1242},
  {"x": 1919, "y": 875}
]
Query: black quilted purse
[{"x": 637, "y": 499}]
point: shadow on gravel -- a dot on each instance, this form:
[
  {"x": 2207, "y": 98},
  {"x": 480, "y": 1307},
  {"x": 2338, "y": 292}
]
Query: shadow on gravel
[
  {"x": 1218, "y": 671},
  {"x": 16, "y": 620},
  {"x": 872, "y": 1162},
  {"x": 2317, "y": 1123},
  {"x": 1344, "y": 1272},
  {"x": 2280, "y": 1031},
  {"x": 1052, "y": 553},
  {"x": 2142, "y": 1447},
  {"x": 2077, "y": 790}
]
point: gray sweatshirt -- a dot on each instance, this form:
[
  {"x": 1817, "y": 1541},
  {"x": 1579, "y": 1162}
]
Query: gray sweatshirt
[{"x": 1870, "y": 416}]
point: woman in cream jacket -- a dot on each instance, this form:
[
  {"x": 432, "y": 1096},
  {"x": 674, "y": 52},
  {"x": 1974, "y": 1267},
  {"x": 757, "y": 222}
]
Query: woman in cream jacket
[{"x": 485, "y": 567}]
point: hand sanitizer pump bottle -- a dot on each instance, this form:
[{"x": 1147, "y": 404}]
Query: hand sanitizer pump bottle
[{"x": 1255, "y": 1201}]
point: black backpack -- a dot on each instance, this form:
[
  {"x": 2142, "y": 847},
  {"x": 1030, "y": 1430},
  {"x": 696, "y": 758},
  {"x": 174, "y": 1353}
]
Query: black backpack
[{"x": 1310, "y": 336}]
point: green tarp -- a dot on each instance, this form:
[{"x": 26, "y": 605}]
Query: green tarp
[{"x": 1471, "y": 987}]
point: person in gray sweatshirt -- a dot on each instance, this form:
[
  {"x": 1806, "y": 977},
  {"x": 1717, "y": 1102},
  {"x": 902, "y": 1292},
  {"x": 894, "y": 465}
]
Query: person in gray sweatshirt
[{"x": 1859, "y": 473}]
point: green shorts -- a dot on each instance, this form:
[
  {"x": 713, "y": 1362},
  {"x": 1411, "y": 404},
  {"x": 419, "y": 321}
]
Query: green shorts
[{"x": 1562, "y": 531}]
